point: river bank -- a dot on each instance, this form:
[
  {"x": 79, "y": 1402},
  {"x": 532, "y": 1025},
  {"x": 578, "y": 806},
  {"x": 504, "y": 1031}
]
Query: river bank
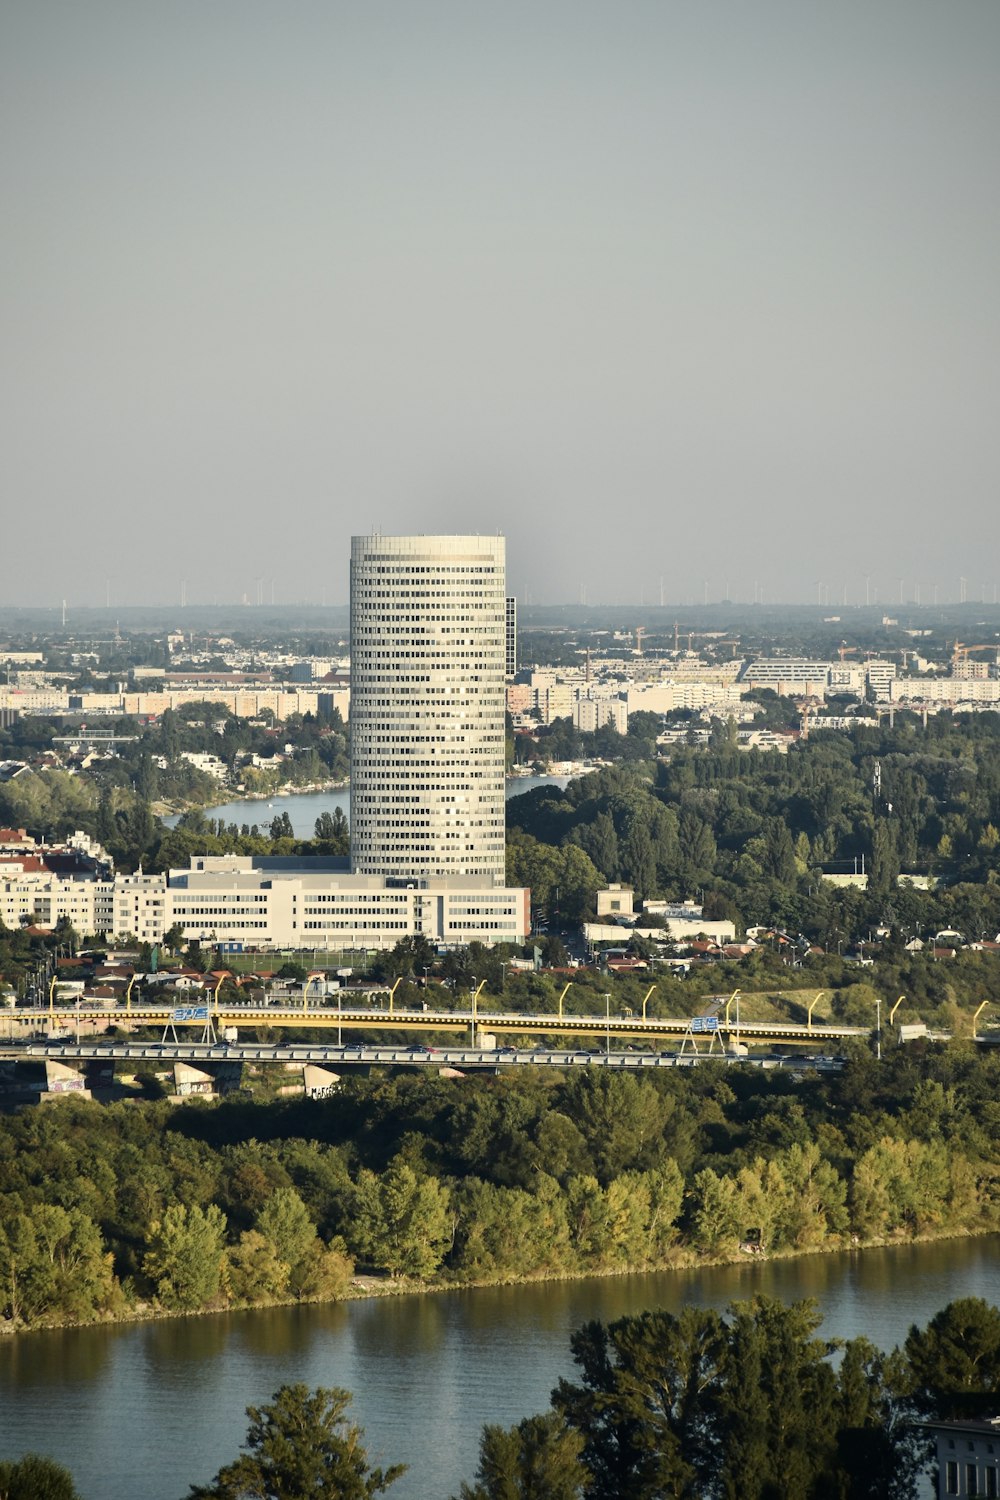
[
  {"x": 170, "y": 812},
  {"x": 371, "y": 1288},
  {"x": 305, "y": 804}
]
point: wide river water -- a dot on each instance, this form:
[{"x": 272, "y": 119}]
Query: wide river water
[{"x": 144, "y": 1410}]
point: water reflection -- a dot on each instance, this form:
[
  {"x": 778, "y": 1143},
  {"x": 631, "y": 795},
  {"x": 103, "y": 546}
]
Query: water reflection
[
  {"x": 410, "y": 1326},
  {"x": 281, "y": 1332},
  {"x": 58, "y": 1358},
  {"x": 183, "y": 1341}
]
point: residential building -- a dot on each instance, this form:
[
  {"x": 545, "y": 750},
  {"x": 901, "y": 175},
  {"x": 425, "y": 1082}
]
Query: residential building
[
  {"x": 593, "y": 713},
  {"x": 968, "y": 1457},
  {"x": 788, "y": 675},
  {"x": 952, "y": 690},
  {"x": 881, "y": 676}
]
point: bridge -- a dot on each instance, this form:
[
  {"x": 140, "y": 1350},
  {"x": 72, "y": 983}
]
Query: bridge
[
  {"x": 710, "y": 1033},
  {"x": 494, "y": 1059}
]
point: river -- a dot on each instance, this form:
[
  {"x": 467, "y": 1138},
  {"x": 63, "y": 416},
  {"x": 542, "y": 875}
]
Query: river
[
  {"x": 147, "y": 1409},
  {"x": 303, "y": 808}
]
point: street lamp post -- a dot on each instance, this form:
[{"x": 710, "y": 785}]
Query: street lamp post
[{"x": 607, "y": 1025}]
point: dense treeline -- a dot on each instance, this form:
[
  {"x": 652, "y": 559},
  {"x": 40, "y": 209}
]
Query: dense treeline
[
  {"x": 752, "y": 829},
  {"x": 489, "y": 1179}
]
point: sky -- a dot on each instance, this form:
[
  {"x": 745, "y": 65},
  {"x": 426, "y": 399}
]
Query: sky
[{"x": 689, "y": 300}]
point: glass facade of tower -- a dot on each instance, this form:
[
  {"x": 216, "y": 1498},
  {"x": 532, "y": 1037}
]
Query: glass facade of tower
[{"x": 428, "y": 648}]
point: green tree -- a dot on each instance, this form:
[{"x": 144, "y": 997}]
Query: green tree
[
  {"x": 284, "y": 1220},
  {"x": 539, "y": 1459},
  {"x": 644, "y": 1405},
  {"x": 403, "y": 1221},
  {"x": 35, "y": 1478},
  {"x": 884, "y": 869},
  {"x": 185, "y": 1256},
  {"x": 54, "y": 1267},
  {"x": 599, "y": 841},
  {"x": 332, "y": 828},
  {"x": 302, "y": 1446},
  {"x": 255, "y": 1272},
  {"x": 778, "y": 1404},
  {"x": 620, "y": 1117},
  {"x": 953, "y": 1365}
]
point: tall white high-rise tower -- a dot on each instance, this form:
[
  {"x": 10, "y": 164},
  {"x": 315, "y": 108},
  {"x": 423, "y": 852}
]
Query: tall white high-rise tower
[{"x": 428, "y": 620}]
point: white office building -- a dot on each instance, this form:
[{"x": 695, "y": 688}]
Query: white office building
[
  {"x": 261, "y": 902},
  {"x": 428, "y": 657}
]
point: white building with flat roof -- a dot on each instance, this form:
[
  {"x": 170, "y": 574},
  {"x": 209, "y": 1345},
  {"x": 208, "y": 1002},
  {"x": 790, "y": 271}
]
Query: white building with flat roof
[{"x": 263, "y": 902}]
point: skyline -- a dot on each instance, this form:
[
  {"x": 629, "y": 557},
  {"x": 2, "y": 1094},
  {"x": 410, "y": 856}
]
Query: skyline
[
  {"x": 663, "y": 294},
  {"x": 868, "y": 592}
]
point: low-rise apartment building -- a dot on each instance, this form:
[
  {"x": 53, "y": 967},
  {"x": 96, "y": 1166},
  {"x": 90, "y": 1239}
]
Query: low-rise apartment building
[
  {"x": 945, "y": 690},
  {"x": 242, "y": 703}
]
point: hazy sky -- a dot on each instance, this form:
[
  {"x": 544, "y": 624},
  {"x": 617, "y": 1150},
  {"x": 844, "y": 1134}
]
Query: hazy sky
[{"x": 695, "y": 292}]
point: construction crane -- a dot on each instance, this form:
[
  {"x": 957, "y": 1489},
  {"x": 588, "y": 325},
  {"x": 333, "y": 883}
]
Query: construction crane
[
  {"x": 961, "y": 650},
  {"x": 640, "y": 631}
]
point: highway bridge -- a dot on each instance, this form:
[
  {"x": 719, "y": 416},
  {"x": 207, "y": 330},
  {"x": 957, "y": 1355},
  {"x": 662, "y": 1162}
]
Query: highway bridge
[
  {"x": 355, "y": 1055},
  {"x": 721, "y": 1032}
]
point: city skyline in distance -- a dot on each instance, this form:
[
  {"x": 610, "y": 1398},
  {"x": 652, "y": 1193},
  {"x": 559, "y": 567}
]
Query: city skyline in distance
[{"x": 689, "y": 305}]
